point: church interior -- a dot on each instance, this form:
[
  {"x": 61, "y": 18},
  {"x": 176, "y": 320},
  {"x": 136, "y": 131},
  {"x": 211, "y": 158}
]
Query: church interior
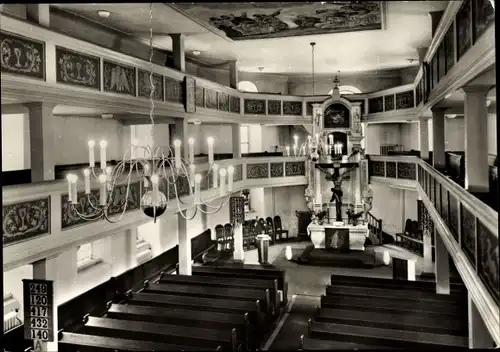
[{"x": 249, "y": 176}]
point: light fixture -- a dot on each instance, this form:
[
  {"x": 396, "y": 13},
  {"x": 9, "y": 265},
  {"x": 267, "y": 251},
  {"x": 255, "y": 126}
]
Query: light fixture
[
  {"x": 312, "y": 64},
  {"x": 196, "y": 52},
  {"x": 159, "y": 169},
  {"x": 103, "y": 13},
  {"x": 260, "y": 68},
  {"x": 452, "y": 116}
]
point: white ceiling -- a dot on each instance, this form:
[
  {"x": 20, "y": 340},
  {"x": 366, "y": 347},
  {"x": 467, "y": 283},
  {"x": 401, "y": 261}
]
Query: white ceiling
[{"x": 407, "y": 27}]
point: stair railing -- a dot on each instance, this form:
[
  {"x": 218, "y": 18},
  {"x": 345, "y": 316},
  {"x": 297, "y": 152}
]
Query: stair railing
[{"x": 375, "y": 225}]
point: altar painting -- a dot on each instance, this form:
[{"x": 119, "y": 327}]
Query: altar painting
[{"x": 336, "y": 116}]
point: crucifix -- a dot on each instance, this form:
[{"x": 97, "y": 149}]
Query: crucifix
[{"x": 337, "y": 178}]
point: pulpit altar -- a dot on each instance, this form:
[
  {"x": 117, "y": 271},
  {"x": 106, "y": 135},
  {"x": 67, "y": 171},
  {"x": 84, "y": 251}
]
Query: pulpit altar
[{"x": 338, "y": 236}]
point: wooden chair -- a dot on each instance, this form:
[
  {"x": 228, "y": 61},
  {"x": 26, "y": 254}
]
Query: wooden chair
[
  {"x": 219, "y": 237},
  {"x": 228, "y": 238},
  {"x": 270, "y": 228},
  {"x": 278, "y": 228}
]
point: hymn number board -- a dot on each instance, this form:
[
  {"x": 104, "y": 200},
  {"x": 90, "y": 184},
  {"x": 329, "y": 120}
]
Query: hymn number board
[{"x": 38, "y": 306}]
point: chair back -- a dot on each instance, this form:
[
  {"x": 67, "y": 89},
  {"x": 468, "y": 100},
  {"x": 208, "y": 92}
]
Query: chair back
[
  {"x": 219, "y": 231},
  {"x": 277, "y": 223},
  {"x": 246, "y": 228},
  {"x": 408, "y": 227},
  {"x": 228, "y": 229},
  {"x": 260, "y": 227},
  {"x": 270, "y": 223}
]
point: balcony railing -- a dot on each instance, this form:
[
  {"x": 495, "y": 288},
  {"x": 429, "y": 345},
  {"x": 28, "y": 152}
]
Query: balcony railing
[{"x": 38, "y": 221}]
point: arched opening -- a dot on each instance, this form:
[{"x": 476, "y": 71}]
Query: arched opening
[
  {"x": 346, "y": 90},
  {"x": 247, "y": 86}
]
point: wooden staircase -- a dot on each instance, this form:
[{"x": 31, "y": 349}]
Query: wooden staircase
[{"x": 368, "y": 313}]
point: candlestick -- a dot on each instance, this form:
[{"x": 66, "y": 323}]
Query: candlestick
[
  {"x": 102, "y": 190},
  {"x": 215, "y": 175},
  {"x": 191, "y": 174},
  {"x": 330, "y": 138},
  {"x": 197, "y": 191},
  {"x": 154, "y": 182},
  {"x": 86, "y": 174},
  {"x": 74, "y": 195},
  {"x": 210, "y": 142},
  {"x": 222, "y": 173},
  {"x": 69, "y": 177},
  {"x": 103, "y": 145},
  {"x": 91, "y": 154},
  {"x": 177, "y": 154},
  {"x": 230, "y": 174},
  {"x": 191, "y": 150}
]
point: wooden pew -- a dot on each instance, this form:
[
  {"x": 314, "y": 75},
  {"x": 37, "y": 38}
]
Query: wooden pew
[
  {"x": 179, "y": 335},
  {"x": 74, "y": 342},
  {"x": 263, "y": 284},
  {"x": 245, "y": 271},
  {"x": 199, "y": 303},
  {"x": 184, "y": 317},
  {"x": 231, "y": 293}
]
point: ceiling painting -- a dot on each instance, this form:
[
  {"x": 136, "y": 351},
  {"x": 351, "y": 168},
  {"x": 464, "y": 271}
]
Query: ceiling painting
[{"x": 240, "y": 21}]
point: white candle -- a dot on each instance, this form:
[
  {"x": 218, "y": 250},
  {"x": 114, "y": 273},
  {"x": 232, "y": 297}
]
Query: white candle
[
  {"x": 215, "y": 175},
  {"x": 210, "y": 142},
  {"x": 317, "y": 138},
  {"x": 91, "y": 153},
  {"x": 192, "y": 167},
  {"x": 197, "y": 191},
  {"x": 103, "y": 145},
  {"x": 86, "y": 174},
  {"x": 155, "y": 195},
  {"x": 74, "y": 196},
  {"x": 222, "y": 173},
  {"x": 230, "y": 174},
  {"x": 287, "y": 148},
  {"x": 177, "y": 154},
  {"x": 330, "y": 138},
  {"x": 295, "y": 150},
  {"x": 102, "y": 191},
  {"x": 191, "y": 150},
  {"x": 69, "y": 177},
  {"x": 296, "y": 140}
]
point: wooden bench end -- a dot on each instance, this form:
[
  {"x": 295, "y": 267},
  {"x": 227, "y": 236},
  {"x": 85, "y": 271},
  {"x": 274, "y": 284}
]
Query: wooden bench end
[{"x": 85, "y": 318}]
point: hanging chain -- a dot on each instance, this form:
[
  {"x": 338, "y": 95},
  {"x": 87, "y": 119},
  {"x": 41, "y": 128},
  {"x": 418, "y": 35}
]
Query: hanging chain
[
  {"x": 151, "y": 84},
  {"x": 312, "y": 53}
]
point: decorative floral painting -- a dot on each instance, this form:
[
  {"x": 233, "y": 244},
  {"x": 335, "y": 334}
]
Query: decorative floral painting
[
  {"x": 259, "y": 20},
  {"x": 77, "y": 69},
  {"x": 22, "y": 56},
  {"x": 25, "y": 220}
]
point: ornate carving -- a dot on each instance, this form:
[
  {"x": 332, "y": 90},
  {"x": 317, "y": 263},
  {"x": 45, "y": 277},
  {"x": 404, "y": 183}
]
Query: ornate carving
[
  {"x": 277, "y": 170},
  {"x": 487, "y": 259},
  {"x": 119, "y": 78},
  {"x": 389, "y": 102},
  {"x": 464, "y": 30},
  {"x": 255, "y": 106},
  {"x": 404, "y": 100},
  {"x": 199, "y": 97},
  {"x": 211, "y": 99},
  {"x": 173, "y": 91},
  {"x": 292, "y": 108},
  {"x": 144, "y": 85},
  {"x": 468, "y": 234},
  {"x": 68, "y": 215},
  {"x": 25, "y": 220},
  {"x": 238, "y": 173},
  {"x": 295, "y": 168},
  {"x": 390, "y": 169},
  {"x": 377, "y": 168},
  {"x": 22, "y": 56},
  {"x": 406, "y": 171},
  {"x": 190, "y": 94},
  {"x": 77, "y": 69},
  {"x": 133, "y": 200},
  {"x": 257, "y": 170},
  {"x": 223, "y": 102},
  {"x": 274, "y": 107},
  {"x": 234, "y": 104},
  {"x": 375, "y": 105}
]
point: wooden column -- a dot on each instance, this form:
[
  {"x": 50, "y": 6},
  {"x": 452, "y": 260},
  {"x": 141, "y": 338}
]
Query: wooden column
[
  {"x": 438, "y": 156},
  {"x": 178, "y": 51},
  {"x": 235, "y": 127},
  {"x": 423, "y": 128},
  {"x": 42, "y": 139},
  {"x": 233, "y": 74}
]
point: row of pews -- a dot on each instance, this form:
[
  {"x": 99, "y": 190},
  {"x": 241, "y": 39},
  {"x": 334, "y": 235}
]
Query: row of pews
[
  {"x": 372, "y": 313},
  {"x": 220, "y": 307}
]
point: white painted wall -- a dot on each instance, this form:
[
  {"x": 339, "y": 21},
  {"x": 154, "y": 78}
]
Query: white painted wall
[
  {"x": 381, "y": 133},
  {"x": 15, "y": 142},
  {"x": 409, "y": 136}
]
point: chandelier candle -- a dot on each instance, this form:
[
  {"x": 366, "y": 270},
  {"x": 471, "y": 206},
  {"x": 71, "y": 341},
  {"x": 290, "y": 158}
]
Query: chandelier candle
[
  {"x": 230, "y": 173},
  {"x": 86, "y": 174},
  {"x": 191, "y": 174},
  {"x": 330, "y": 138},
  {"x": 210, "y": 142},
  {"x": 222, "y": 173},
  {"x": 91, "y": 154},
  {"x": 69, "y": 177},
  {"x": 177, "y": 153},
  {"x": 215, "y": 175},
  {"x": 191, "y": 150},
  {"x": 296, "y": 139},
  {"x": 102, "y": 190},
  {"x": 103, "y": 145},
  {"x": 197, "y": 189},
  {"x": 287, "y": 148},
  {"x": 295, "y": 150},
  {"x": 74, "y": 194}
]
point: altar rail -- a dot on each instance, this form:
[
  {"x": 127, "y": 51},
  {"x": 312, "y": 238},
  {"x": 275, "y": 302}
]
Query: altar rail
[
  {"x": 64, "y": 70},
  {"x": 38, "y": 220}
]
